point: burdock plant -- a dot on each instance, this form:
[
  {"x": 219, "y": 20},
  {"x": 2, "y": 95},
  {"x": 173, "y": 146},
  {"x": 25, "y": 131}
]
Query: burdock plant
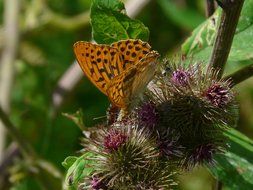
[
  {"x": 126, "y": 157},
  {"x": 178, "y": 124},
  {"x": 189, "y": 108}
]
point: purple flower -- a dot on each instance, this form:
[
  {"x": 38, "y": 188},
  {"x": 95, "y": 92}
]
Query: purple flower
[
  {"x": 97, "y": 184},
  {"x": 114, "y": 139},
  {"x": 148, "y": 115},
  {"x": 217, "y": 95},
  {"x": 168, "y": 144},
  {"x": 180, "y": 77},
  {"x": 203, "y": 153}
]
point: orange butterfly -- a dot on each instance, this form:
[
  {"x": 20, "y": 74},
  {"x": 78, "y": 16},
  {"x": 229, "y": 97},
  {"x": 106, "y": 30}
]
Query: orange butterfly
[{"x": 121, "y": 70}]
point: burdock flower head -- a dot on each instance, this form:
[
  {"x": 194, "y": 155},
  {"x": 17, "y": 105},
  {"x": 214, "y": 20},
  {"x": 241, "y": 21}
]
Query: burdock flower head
[
  {"x": 168, "y": 143},
  {"x": 218, "y": 95},
  {"x": 127, "y": 157},
  {"x": 203, "y": 154},
  {"x": 180, "y": 77},
  {"x": 97, "y": 183},
  {"x": 147, "y": 115},
  {"x": 114, "y": 139},
  {"x": 148, "y": 118},
  {"x": 195, "y": 104}
]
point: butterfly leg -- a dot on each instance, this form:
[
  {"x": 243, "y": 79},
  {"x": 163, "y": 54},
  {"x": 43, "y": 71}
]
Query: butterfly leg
[
  {"x": 112, "y": 114},
  {"x": 122, "y": 114}
]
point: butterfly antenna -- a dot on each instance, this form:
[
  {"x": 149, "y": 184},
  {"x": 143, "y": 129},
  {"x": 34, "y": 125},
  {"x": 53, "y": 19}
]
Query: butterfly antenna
[{"x": 101, "y": 117}]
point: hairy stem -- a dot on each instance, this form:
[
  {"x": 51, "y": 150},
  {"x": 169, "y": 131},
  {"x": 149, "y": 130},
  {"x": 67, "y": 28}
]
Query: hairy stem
[
  {"x": 229, "y": 19},
  {"x": 240, "y": 75}
]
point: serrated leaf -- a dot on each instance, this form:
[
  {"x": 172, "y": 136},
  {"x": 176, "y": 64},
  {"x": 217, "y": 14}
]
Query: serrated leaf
[
  {"x": 78, "y": 171},
  {"x": 110, "y": 23},
  {"x": 235, "y": 168},
  {"x": 203, "y": 36},
  {"x": 114, "y": 5},
  {"x": 200, "y": 43}
]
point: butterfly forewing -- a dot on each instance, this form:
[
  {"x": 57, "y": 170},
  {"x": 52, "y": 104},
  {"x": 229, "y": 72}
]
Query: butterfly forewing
[
  {"x": 121, "y": 71},
  {"x": 132, "y": 51},
  {"x": 100, "y": 63}
]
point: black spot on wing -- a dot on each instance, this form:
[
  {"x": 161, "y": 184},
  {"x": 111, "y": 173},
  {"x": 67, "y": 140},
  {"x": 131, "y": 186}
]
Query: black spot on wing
[
  {"x": 100, "y": 79},
  {"x": 137, "y": 48},
  {"x": 103, "y": 85},
  {"x": 133, "y": 54},
  {"x": 144, "y": 52},
  {"x": 136, "y": 42}
]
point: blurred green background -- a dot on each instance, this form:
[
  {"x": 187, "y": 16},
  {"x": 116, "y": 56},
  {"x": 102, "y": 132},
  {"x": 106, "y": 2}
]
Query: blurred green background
[{"x": 47, "y": 31}]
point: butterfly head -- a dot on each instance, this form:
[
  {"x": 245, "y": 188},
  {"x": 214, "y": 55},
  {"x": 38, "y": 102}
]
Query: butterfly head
[{"x": 152, "y": 57}]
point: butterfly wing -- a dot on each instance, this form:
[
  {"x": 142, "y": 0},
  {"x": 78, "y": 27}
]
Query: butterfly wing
[
  {"x": 132, "y": 51},
  {"x": 119, "y": 89},
  {"x": 121, "y": 71},
  {"x": 124, "y": 88},
  {"x": 100, "y": 63}
]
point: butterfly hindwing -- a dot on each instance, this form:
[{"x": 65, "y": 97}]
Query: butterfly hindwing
[
  {"x": 119, "y": 90},
  {"x": 121, "y": 70},
  {"x": 124, "y": 88},
  {"x": 98, "y": 62}
]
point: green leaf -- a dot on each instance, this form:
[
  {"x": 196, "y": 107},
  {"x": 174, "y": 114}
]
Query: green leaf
[
  {"x": 113, "y": 5},
  {"x": 110, "y": 23},
  {"x": 203, "y": 36},
  {"x": 178, "y": 14},
  {"x": 77, "y": 118},
  {"x": 200, "y": 43},
  {"x": 235, "y": 168},
  {"x": 69, "y": 161},
  {"x": 79, "y": 169}
]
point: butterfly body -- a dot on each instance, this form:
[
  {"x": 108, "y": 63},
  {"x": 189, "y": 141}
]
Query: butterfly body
[{"x": 121, "y": 70}]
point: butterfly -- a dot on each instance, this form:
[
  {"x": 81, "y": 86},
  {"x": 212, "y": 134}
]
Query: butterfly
[{"x": 121, "y": 70}]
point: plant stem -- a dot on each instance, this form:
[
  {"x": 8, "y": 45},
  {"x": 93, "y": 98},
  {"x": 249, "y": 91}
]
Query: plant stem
[
  {"x": 229, "y": 19},
  {"x": 24, "y": 146},
  {"x": 218, "y": 185},
  {"x": 210, "y": 7},
  {"x": 11, "y": 153},
  {"x": 67, "y": 23},
  {"x": 240, "y": 75},
  {"x": 9, "y": 53},
  {"x": 43, "y": 173}
]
